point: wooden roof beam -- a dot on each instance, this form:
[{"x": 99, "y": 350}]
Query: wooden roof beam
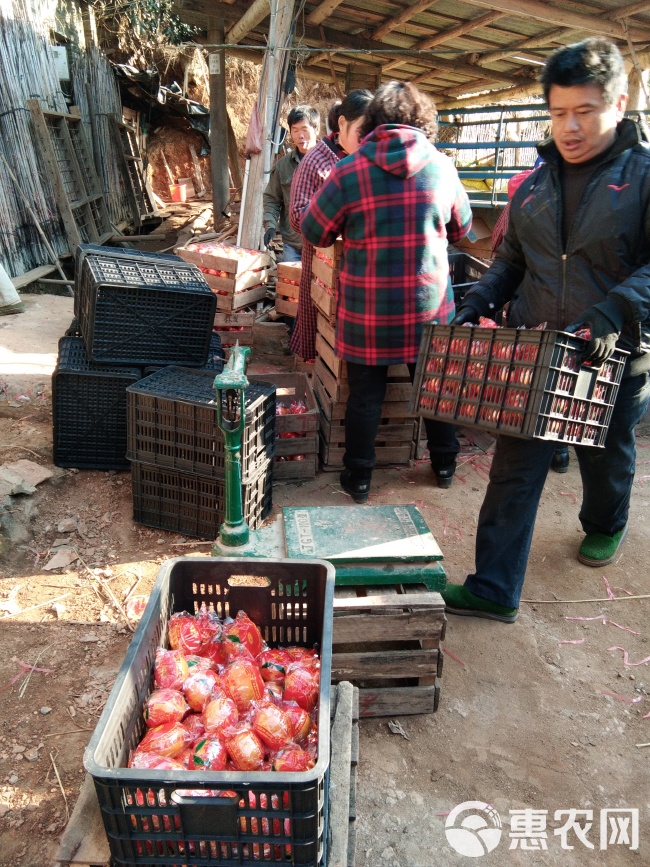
[
  {"x": 495, "y": 96},
  {"x": 256, "y": 13},
  {"x": 322, "y": 11},
  {"x": 452, "y": 33},
  {"x": 564, "y": 18},
  {"x": 629, "y": 11},
  {"x": 402, "y": 17}
]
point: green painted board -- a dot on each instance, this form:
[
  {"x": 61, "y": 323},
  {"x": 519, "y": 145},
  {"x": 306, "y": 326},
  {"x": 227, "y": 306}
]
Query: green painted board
[
  {"x": 432, "y": 575},
  {"x": 359, "y": 535}
]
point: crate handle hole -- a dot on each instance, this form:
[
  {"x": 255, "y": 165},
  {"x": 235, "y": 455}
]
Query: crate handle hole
[{"x": 249, "y": 581}]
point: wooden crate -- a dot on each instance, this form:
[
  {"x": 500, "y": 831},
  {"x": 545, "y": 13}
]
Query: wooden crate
[
  {"x": 84, "y": 843},
  {"x": 331, "y": 454},
  {"x": 235, "y": 326},
  {"x": 326, "y": 264},
  {"x": 236, "y": 275},
  {"x": 286, "y": 300},
  {"x": 386, "y": 640},
  {"x": 290, "y": 387},
  {"x": 398, "y": 389},
  {"x": 290, "y": 272}
]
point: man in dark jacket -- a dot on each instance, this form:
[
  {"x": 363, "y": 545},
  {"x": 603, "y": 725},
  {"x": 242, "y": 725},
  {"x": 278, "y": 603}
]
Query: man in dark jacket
[
  {"x": 576, "y": 253},
  {"x": 304, "y": 126}
]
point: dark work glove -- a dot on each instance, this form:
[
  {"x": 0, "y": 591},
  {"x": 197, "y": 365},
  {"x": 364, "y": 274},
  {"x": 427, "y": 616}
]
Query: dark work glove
[
  {"x": 470, "y": 311},
  {"x": 605, "y": 322},
  {"x": 269, "y": 235}
]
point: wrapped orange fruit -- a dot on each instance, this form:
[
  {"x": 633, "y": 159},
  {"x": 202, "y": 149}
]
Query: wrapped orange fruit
[{"x": 272, "y": 725}]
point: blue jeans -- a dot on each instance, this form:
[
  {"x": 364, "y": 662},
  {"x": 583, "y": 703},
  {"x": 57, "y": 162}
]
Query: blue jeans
[
  {"x": 363, "y": 413},
  {"x": 290, "y": 254},
  {"x": 519, "y": 470}
]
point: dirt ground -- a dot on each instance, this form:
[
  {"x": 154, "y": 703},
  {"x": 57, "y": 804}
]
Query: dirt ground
[{"x": 542, "y": 715}]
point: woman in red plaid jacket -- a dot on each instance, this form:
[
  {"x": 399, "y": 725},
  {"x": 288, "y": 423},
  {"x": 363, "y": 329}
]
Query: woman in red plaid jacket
[
  {"x": 396, "y": 202},
  {"x": 345, "y": 119}
]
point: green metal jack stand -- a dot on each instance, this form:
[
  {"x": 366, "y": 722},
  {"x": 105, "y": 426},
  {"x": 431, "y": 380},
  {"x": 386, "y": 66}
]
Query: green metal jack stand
[{"x": 365, "y": 544}]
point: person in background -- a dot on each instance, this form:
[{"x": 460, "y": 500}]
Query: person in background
[
  {"x": 576, "y": 255},
  {"x": 344, "y": 119},
  {"x": 396, "y": 201},
  {"x": 304, "y": 126}
]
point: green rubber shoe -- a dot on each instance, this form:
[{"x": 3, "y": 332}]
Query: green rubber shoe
[
  {"x": 459, "y": 600},
  {"x": 597, "y": 549}
]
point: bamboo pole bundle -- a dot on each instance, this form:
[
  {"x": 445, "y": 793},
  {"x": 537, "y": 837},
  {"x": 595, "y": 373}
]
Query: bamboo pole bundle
[
  {"x": 98, "y": 98},
  {"x": 27, "y": 70}
]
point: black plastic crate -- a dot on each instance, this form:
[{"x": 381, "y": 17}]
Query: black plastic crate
[
  {"x": 172, "y": 422},
  {"x": 84, "y": 250},
  {"x": 89, "y": 410},
  {"x": 465, "y": 271},
  {"x": 194, "y": 505},
  {"x": 260, "y": 817},
  {"x": 516, "y": 381},
  {"x": 145, "y": 313}
]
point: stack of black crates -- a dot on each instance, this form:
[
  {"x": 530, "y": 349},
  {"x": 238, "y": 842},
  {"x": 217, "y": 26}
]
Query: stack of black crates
[{"x": 135, "y": 314}]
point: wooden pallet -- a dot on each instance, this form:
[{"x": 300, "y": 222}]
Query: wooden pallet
[
  {"x": 84, "y": 842},
  {"x": 386, "y": 641}
]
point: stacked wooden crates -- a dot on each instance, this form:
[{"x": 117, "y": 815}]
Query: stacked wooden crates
[
  {"x": 239, "y": 278},
  {"x": 397, "y": 429}
]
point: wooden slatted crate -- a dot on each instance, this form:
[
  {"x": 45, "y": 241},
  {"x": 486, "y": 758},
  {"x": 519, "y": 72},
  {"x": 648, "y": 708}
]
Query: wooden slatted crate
[
  {"x": 237, "y": 276},
  {"x": 235, "y": 327},
  {"x": 387, "y": 641},
  {"x": 303, "y": 427},
  {"x": 288, "y": 288},
  {"x": 324, "y": 299},
  {"x": 326, "y": 264}
]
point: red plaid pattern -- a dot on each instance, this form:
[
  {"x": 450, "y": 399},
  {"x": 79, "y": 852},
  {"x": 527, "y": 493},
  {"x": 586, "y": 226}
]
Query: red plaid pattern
[
  {"x": 313, "y": 170},
  {"x": 397, "y": 202}
]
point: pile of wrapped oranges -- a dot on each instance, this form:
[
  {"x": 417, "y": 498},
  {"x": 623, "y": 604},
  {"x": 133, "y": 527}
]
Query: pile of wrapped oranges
[{"x": 224, "y": 701}]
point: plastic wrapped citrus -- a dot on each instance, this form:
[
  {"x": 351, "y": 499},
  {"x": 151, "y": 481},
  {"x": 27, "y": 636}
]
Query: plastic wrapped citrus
[
  {"x": 293, "y": 759},
  {"x": 243, "y": 683},
  {"x": 273, "y": 664},
  {"x": 215, "y": 651},
  {"x": 242, "y": 630},
  {"x": 220, "y": 713},
  {"x": 166, "y": 740},
  {"x": 170, "y": 669},
  {"x": 198, "y": 689},
  {"x": 195, "y": 725},
  {"x": 302, "y": 684},
  {"x": 164, "y": 706},
  {"x": 300, "y": 720},
  {"x": 209, "y": 754},
  {"x": 272, "y": 725},
  {"x": 153, "y": 761},
  {"x": 184, "y": 633},
  {"x": 245, "y": 750},
  {"x": 198, "y": 663}
]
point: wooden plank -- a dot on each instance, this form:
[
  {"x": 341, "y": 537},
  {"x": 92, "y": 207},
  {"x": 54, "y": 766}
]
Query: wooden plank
[
  {"x": 290, "y": 271},
  {"x": 325, "y": 327},
  {"x": 235, "y": 263},
  {"x": 287, "y": 290},
  {"x": 84, "y": 839},
  {"x": 32, "y": 276},
  {"x": 386, "y": 455},
  {"x": 339, "y": 778},
  {"x": 307, "y": 445},
  {"x": 228, "y": 303},
  {"x": 295, "y": 471},
  {"x": 336, "y": 365},
  {"x": 324, "y": 301},
  {"x": 387, "y": 664},
  {"x": 286, "y": 307},
  {"x": 417, "y": 625},
  {"x": 401, "y": 432},
  {"x": 398, "y": 701},
  {"x": 326, "y": 273}
]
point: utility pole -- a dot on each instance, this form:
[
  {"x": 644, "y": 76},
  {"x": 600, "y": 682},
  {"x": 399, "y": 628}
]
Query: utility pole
[{"x": 218, "y": 122}]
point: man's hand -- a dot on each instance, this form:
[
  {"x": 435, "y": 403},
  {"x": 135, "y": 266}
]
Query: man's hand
[
  {"x": 269, "y": 235},
  {"x": 604, "y": 333},
  {"x": 470, "y": 311}
]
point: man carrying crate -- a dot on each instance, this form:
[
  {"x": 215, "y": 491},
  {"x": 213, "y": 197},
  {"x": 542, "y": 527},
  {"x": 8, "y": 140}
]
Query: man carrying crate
[{"x": 576, "y": 254}]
